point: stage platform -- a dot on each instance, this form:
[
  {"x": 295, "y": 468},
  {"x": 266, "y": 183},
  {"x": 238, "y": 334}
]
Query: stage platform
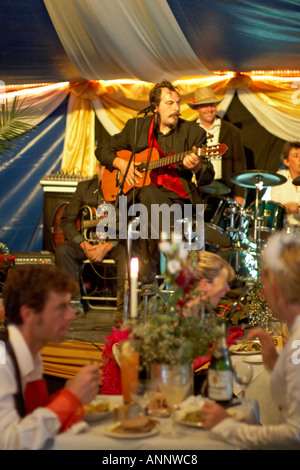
[{"x": 84, "y": 343}]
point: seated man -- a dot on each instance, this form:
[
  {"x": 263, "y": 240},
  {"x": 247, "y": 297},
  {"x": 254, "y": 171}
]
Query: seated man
[
  {"x": 37, "y": 309},
  {"x": 70, "y": 256}
]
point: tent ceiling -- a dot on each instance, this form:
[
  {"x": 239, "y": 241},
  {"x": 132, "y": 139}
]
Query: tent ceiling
[{"x": 236, "y": 35}]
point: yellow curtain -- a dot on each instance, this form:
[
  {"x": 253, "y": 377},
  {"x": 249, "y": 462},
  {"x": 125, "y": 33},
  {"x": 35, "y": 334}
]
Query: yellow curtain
[
  {"x": 122, "y": 100},
  {"x": 79, "y": 145}
]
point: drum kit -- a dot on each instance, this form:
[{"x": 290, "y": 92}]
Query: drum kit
[{"x": 236, "y": 233}]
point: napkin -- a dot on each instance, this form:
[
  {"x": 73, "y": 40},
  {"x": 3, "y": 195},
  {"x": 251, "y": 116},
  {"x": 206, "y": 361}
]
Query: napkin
[{"x": 78, "y": 428}]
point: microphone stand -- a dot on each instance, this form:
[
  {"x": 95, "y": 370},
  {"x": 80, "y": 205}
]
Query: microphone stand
[
  {"x": 136, "y": 139},
  {"x": 127, "y": 280}
]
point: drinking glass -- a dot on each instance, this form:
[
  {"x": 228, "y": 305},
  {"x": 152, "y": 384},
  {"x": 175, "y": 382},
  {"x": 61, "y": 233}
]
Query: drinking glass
[
  {"x": 140, "y": 392},
  {"x": 129, "y": 365},
  {"x": 243, "y": 372},
  {"x": 174, "y": 382}
]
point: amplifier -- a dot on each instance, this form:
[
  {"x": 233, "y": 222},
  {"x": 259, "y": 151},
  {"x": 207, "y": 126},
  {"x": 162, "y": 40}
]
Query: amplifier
[{"x": 32, "y": 257}]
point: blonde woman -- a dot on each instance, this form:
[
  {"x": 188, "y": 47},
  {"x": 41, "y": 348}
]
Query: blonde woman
[
  {"x": 213, "y": 275},
  {"x": 281, "y": 281}
]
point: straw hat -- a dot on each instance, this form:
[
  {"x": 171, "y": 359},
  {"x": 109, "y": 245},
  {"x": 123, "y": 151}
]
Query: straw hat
[{"x": 203, "y": 95}]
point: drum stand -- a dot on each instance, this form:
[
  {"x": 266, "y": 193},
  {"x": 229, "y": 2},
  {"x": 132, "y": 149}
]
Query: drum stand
[{"x": 259, "y": 186}]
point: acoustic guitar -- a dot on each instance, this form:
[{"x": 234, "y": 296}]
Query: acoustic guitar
[{"x": 149, "y": 160}]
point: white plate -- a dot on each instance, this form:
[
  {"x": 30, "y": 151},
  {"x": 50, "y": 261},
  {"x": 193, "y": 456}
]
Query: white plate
[
  {"x": 110, "y": 431},
  {"x": 254, "y": 359},
  {"x": 96, "y": 416}
]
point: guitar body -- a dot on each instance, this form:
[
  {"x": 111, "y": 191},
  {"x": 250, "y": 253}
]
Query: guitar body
[
  {"x": 86, "y": 224},
  {"x": 149, "y": 160},
  {"x": 111, "y": 181}
]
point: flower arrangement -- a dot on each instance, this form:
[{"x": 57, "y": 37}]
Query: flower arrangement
[{"x": 174, "y": 334}]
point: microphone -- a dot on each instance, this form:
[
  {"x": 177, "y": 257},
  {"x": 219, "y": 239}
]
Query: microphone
[{"x": 149, "y": 108}]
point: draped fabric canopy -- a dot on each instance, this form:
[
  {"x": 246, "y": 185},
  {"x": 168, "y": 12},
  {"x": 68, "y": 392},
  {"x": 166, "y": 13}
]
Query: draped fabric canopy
[
  {"x": 102, "y": 58},
  {"x": 73, "y": 40}
]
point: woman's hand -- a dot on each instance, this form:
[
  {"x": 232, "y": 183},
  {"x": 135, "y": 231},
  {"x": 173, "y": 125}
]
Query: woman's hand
[
  {"x": 212, "y": 414},
  {"x": 268, "y": 349}
]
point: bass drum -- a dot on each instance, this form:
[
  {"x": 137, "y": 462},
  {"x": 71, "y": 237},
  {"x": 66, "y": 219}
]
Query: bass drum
[{"x": 243, "y": 262}]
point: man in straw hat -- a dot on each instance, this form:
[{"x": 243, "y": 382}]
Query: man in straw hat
[{"x": 205, "y": 102}]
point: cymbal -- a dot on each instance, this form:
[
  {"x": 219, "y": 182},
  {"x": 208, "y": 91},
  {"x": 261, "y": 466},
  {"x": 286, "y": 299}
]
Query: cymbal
[
  {"x": 296, "y": 181},
  {"x": 249, "y": 179},
  {"x": 215, "y": 188}
]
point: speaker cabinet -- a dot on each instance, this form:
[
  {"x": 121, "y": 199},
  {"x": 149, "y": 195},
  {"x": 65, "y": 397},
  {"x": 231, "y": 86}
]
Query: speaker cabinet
[{"x": 52, "y": 203}]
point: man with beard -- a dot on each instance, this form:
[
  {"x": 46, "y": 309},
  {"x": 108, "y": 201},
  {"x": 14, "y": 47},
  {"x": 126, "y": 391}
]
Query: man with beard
[{"x": 175, "y": 183}]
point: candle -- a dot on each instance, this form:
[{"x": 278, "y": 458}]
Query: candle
[{"x": 134, "y": 270}]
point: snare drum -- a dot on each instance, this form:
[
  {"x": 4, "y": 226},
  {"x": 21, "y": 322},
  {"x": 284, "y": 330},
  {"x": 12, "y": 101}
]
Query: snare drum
[
  {"x": 272, "y": 214},
  {"x": 221, "y": 218}
]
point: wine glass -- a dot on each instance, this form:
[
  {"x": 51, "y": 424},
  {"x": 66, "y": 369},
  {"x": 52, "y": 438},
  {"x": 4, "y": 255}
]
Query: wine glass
[
  {"x": 174, "y": 382},
  {"x": 140, "y": 392},
  {"x": 243, "y": 372}
]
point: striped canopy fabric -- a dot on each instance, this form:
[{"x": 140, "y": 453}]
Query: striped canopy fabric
[
  {"x": 78, "y": 63},
  {"x": 74, "y": 40}
]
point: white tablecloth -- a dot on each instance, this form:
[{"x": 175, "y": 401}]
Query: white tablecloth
[
  {"x": 94, "y": 437},
  {"x": 259, "y": 389}
]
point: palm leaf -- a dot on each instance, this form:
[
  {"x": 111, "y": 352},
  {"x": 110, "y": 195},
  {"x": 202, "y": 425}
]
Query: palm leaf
[{"x": 13, "y": 125}]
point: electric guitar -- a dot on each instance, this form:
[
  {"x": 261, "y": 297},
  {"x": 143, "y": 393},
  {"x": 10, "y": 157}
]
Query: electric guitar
[
  {"x": 86, "y": 223},
  {"x": 149, "y": 160}
]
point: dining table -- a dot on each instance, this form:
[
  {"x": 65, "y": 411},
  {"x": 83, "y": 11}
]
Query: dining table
[
  {"x": 95, "y": 435},
  {"x": 259, "y": 388}
]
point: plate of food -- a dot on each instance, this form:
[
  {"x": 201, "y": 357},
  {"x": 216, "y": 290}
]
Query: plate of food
[
  {"x": 246, "y": 348},
  {"x": 191, "y": 417},
  {"x": 133, "y": 428},
  {"x": 98, "y": 409}
]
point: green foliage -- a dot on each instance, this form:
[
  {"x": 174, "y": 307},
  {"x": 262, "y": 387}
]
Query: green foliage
[
  {"x": 13, "y": 125},
  {"x": 256, "y": 306},
  {"x": 171, "y": 338}
]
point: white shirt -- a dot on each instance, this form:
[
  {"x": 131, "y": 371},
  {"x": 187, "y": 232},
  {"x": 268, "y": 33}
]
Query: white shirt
[
  {"x": 34, "y": 430},
  {"x": 212, "y": 138},
  {"x": 285, "y": 386},
  {"x": 285, "y": 193}
]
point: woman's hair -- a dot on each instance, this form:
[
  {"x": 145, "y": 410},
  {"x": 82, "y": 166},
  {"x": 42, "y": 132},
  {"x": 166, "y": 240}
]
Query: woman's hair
[
  {"x": 281, "y": 263},
  {"x": 210, "y": 265},
  {"x": 31, "y": 285},
  {"x": 155, "y": 92}
]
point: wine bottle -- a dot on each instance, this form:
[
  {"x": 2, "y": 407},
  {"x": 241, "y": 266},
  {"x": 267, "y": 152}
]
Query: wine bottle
[{"x": 220, "y": 374}]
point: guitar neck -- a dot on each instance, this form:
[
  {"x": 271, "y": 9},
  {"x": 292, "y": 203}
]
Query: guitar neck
[{"x": 205, "y": 153}]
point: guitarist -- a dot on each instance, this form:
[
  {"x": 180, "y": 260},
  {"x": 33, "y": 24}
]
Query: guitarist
[
  {"x": 69, "y": 256},
  {"x": 169, "y": 134}
]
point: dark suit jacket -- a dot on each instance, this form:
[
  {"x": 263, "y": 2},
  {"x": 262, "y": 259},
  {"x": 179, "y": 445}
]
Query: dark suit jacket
[
  {"x": 234, "y": 160},
  {"x": 186, "y": 135},
  {"x": 84, "y": 195}
]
